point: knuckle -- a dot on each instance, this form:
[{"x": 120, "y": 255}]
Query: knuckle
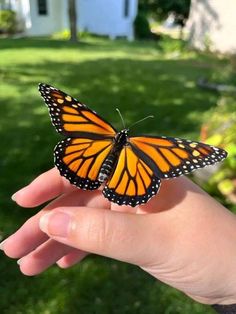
[{"x": 94, "y": 232}]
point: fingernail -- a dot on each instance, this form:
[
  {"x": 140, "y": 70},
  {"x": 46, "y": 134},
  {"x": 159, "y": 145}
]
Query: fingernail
[
  {"x": 13, "y": 197},
  {"x": 2, "y": 245},
  {"x": 19, "y": 261},
  {"x": 55, "y": 224}
]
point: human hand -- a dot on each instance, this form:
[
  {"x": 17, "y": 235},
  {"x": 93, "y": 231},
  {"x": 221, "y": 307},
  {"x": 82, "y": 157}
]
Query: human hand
[{"x": 186, "y": 239}]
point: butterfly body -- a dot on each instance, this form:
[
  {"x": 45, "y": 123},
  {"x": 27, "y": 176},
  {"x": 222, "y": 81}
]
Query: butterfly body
[
  {"x": 119, "y": 141},
  {"x": 131, "y": 168}
]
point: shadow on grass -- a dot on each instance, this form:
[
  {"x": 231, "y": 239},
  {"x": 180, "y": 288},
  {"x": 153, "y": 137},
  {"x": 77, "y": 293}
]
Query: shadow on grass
[
  {"x": 98, "y": 43},
  {"x": 138, "y": 88},
  {"x": 165, "y": 88},
  {"x": 97, "y": 285},
  {"x": 40, "y": 43}
]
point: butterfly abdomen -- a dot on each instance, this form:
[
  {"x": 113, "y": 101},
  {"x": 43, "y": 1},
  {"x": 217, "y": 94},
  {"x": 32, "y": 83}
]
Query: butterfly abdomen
[
  {"x": 107, "y": 167},
  {"x": 109, "y": 164}
]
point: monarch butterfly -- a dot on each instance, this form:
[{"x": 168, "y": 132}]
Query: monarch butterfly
[{"x": 131, "y": 167}]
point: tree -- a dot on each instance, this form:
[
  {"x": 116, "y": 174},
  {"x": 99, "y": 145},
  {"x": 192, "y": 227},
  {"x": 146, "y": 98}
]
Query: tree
[
  {"x": 162, "y": 8},
  {"x": 73, "y": 20},
  {"x": 179, "y": 7}
]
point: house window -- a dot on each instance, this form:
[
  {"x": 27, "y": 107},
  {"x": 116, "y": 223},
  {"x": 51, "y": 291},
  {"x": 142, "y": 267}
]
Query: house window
[
  {"x": 42, "y": 7},
  {"x": 126, "y": 8}
]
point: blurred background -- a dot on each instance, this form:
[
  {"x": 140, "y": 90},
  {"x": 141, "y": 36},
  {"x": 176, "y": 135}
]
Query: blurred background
[{"x": 174, "y": 59}]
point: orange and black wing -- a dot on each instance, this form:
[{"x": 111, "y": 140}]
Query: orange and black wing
[
  {"x": 72, "y": 118},
  {"x": 80, "y": 160},
  {"x": 132, "y": 182},
  {"x": 171, "y": 157}
]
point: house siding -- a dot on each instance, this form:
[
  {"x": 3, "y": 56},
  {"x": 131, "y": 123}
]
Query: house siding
[
  {"x": 45, "y": 24},
  {"x": 102, "y": 17},
  {"x": 106, "y": 17},
  {"x": 211, "y": 25}
]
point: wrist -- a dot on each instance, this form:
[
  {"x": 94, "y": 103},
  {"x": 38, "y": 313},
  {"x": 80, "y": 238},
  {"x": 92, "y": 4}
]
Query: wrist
[
  {"x": 221, "y": 300},
  {"x": 226, "y": 301}
]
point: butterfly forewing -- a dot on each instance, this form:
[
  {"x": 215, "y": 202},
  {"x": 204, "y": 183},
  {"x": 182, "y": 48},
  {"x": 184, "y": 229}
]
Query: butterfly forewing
[
  {"x": 171, "y": 157},
  {"x": 133, "y": 182},
  {"x": 72, "y": 118},
  {"x": 80, "y": 160}
]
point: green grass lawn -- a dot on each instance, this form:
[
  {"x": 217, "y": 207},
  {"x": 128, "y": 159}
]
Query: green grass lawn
[{"x": 140, "y": 79}]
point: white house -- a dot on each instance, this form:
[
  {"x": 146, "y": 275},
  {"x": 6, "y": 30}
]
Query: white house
[
  {"x": 113, "y": 18},
  {"x": 212, "y": 25}
]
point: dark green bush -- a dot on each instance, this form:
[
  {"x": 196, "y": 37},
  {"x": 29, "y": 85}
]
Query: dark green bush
[
  {"x": 141, "y": 26},
  {"x": 7, "y": 22}
]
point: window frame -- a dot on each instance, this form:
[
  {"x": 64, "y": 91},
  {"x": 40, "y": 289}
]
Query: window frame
[
  {"x": 126, "y": 10},
  {"x": 42, "y": 7}
]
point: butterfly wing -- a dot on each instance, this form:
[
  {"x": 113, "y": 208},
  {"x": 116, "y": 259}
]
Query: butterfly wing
[
  {"x": 171, "y": 157},
  {"x": 72, "y": 118},
  {"x": 80, "y": 160},
  {"x": 132, "y": 182}
]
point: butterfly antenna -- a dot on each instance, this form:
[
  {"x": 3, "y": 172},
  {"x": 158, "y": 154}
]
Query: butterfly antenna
[
  {"x": 148, "y": 117},
  {"x": 123, "y": 122}
]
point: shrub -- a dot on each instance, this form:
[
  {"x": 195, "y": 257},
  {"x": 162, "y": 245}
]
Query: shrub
[
  {"x": 141, "y": 26},
  {"x": 221, "y": 131},
  {"x": 65, "y": 35},
  {"x": 7, "y": 22}
]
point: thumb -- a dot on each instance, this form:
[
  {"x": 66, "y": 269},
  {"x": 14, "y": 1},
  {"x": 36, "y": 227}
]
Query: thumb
[{"x": 118, "y": 235}]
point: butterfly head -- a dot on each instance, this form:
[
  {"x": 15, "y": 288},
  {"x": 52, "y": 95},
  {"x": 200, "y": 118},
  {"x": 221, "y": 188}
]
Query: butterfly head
[{"x": 121, "y": 137}]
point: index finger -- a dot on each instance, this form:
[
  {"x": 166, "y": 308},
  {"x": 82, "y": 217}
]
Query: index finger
[{"x": 45, "y": 187}]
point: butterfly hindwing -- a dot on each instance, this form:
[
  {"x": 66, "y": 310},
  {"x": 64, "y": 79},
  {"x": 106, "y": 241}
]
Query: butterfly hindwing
[
  {"x": 80, "y": 160},
  {"x": 132, "y": 182},
  {"x": 72, "y": 118},
  {"x": 171, "y": 157}
]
